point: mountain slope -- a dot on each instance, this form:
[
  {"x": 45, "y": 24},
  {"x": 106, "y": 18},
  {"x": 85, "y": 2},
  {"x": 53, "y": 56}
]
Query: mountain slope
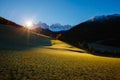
[
  {"x": 8, "y": 22},
  {"x": 13, "y": 36},
  {"x": 94, "y": 30}
]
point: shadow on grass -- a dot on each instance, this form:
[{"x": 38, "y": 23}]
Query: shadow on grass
[
  {"x": 107, "y": 54},
  {"x": 96, "y": 53},
  {"x": 62, "y": 49},
  {"x": 23, "y": 47},
  {"x": 103, "y": 54},
  {"x": 21, "y": 38}
]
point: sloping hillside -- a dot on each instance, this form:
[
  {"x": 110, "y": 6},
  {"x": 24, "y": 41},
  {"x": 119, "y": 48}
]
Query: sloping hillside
[
  {"x": 8, "y": 22},
  {"x": 12, "y": 37},
  {"x": 96, "y": 29},
  {"x": 57, "y": 62}
]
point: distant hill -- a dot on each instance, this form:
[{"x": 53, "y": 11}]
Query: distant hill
[
  {"x": 50, "y": 30},
  {"x": 100, "y": 28},
  {"x": 47, "y": 32},
  {"x": 14, "y": 36},
  {"x": 8, "y": 22}
]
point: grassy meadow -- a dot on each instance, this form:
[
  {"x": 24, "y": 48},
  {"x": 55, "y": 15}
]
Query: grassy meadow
[{"x": 57, "y": 62}]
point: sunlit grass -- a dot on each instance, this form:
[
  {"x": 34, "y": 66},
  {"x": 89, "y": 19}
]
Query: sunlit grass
[{"x": 57, "y": 63}]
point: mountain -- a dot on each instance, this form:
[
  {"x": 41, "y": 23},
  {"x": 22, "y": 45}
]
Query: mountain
[
  {"x": 52, "y": 30},
  {"x": 102, "y": 29},
  {"x": 8, "y": 22},
  {"x": 43, "y": 25},
  {"x": 104, "y": 17},
  {"x": 54, "y": 27},
  {"x": 47, "y": 32},
  {"x": 58, "y": 27},
  {"x": 14, "y": 36}
]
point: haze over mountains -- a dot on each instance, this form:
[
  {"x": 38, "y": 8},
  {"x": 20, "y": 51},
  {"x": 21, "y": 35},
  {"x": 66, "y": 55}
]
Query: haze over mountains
[{"x": 54, "y": 27}]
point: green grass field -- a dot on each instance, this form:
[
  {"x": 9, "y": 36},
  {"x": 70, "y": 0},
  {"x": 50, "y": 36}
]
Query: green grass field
[{"x": 58, "y": 62}]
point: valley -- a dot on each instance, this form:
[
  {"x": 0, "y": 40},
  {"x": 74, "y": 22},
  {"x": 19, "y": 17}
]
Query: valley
[{"x": 60, "y": 61}]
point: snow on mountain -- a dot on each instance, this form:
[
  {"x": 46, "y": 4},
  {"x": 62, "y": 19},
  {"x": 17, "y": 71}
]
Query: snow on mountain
[
  {"x": 54, "y": 27},
  {"x": 58, "y": 27},
  {"x": 43, "y": 25},
  {"x": 104, "y": 17}
]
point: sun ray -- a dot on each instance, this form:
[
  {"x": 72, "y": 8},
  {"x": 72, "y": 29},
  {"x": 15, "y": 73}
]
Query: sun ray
[{"x": 29, "y": 24}]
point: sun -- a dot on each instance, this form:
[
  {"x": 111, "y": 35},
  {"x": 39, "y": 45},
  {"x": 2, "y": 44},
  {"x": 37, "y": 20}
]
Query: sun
[{"x": 29, "y": 24}]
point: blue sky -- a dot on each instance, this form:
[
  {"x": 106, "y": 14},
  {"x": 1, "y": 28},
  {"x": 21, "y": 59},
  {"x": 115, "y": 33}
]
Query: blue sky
[{"x": 56, "y": 11}]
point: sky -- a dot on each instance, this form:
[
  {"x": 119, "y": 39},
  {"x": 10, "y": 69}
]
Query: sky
[{"x": 70, "y": 12}]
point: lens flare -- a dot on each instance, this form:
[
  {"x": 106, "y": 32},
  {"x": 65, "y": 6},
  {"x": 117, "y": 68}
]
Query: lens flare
[{"x": 29, "y": 24}]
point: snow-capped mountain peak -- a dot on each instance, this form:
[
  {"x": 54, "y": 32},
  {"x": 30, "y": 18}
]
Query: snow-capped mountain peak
[
  {"x": 104, "y": 17},
  {"x": 43, "y": 25},
  {"x": 54, "y": 27}
]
